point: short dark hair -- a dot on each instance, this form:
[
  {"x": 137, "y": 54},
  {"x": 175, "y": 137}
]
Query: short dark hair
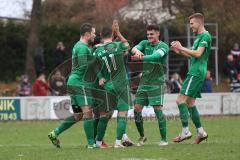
[
  {"x": 153, "y": 27},
  {"x": 85, "y": 27},
  {"x": 106, "y": 32},
  {"x": 199, "y": 16}
]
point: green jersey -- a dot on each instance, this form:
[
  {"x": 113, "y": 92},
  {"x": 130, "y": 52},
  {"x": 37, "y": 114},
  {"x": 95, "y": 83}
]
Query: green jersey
[
  {"x": 198, "y": 66},
  {"x": 82, "y": 62},
  {"x": 113, "y": 69},
  {"x": 154, "y": 62}
]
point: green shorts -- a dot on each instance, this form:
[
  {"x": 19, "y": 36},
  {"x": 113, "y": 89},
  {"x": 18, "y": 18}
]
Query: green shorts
[
  {"x": 104, "y": 101},
  {"x": 80, "y": 95},
  {"x": 150, "y": 95},
  {"x": 192, "y": 86},
  {"x": 123, "y": 98},
  {"x": 79, "y": 91}
]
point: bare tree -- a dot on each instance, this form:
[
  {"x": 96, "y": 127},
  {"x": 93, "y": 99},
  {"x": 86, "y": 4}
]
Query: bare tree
[{"x": 33, "y": 39}]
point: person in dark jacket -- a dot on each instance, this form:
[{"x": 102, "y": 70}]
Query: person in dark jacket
[
  {"x": 39, "y": 61},
  {"x": 59, "y": 54},
  {"x": 230, "y": 68}
]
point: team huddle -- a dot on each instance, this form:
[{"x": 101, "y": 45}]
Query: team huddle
[{"x": 98, "y": 83}]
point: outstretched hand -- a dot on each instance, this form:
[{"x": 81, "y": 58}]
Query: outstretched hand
[{"x": 137, "y": 56}]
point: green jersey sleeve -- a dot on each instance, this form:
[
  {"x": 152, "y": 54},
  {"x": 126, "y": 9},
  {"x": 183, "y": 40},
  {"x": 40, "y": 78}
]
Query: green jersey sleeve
[
  {"x": 141, "y": 45},
  {"x": 204, "y": 42},
  {"x": 157, "y": 54},
  {"x": 152, "y": 57}
]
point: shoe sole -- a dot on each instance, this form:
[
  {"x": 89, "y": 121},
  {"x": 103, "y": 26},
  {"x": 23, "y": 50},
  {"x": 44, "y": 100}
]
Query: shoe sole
[{"x": 186, "y": 138}]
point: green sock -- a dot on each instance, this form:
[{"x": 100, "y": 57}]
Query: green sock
[
  {"x": 88, "y": 128},
  {"x": 183, "y": 109},
  {"x": 161, "y": 124},
  {"x": 195, "y": 116},
  {"x": 65, "y": 124},
  {"x": 139, "y": 123},
  {"x": 95, "y": 125},
  {"x": 101, "y": 128},
  {"x": 121, "y": 127}
]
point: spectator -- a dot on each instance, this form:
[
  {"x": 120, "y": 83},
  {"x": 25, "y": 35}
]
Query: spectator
[
  {"x": 40, "y": 86},
  {"x": 176, "y": 83},
  {"x": 236, "y": 51},
  {"x": 207, "y": 84},
  {"x": 235, "y": 86},
  {"x": 24, "y": 88},
  {"x": 39, "y": 61},
  {"x": 59, "y": 54},
  {"x": 58, "y": 84},
  {"x": 230, "y": 68}
]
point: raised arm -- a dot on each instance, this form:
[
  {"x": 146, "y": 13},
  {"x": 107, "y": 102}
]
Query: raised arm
[
  {"x": 117, "y": 33},
  {"x": 178, "y": 48}
]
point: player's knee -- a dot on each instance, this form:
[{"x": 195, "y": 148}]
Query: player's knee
[
  {"x": 190, "y": 105},
  {"x": 87, "y": 114},
  {"x": 159, "y": 107},
  {"x": 86, "y": 110},
  {"x": 109, "y": 114},
  {"x": 190, "y": 102},
  {"x": 179, "y": 101},
  {"x": 78, "y": 116},
  {"x": 137, "y": 108},
  {"x": 122, "y": 113}
]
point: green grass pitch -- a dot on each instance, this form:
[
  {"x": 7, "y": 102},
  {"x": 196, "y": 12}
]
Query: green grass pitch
[{"x": 27, "y": 140}]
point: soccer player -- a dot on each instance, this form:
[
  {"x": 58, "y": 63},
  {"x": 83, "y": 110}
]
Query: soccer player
[
  {"x": 114, "y": 80},
  {"x": 79, "y": 89},
  {"x": 191, "y": 88},
  {"x": 153, "y": 53}
]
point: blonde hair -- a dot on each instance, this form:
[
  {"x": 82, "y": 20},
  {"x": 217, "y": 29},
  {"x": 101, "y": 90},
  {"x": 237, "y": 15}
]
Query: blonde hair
[{"x": 199, "y": 16}]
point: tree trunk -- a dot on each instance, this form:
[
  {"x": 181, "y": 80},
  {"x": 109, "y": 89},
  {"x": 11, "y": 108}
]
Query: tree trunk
[{"x": 33, "y": 39}]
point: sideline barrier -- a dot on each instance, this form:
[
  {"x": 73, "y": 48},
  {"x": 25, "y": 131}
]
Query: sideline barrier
[{"x": 52, "y": 107}]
